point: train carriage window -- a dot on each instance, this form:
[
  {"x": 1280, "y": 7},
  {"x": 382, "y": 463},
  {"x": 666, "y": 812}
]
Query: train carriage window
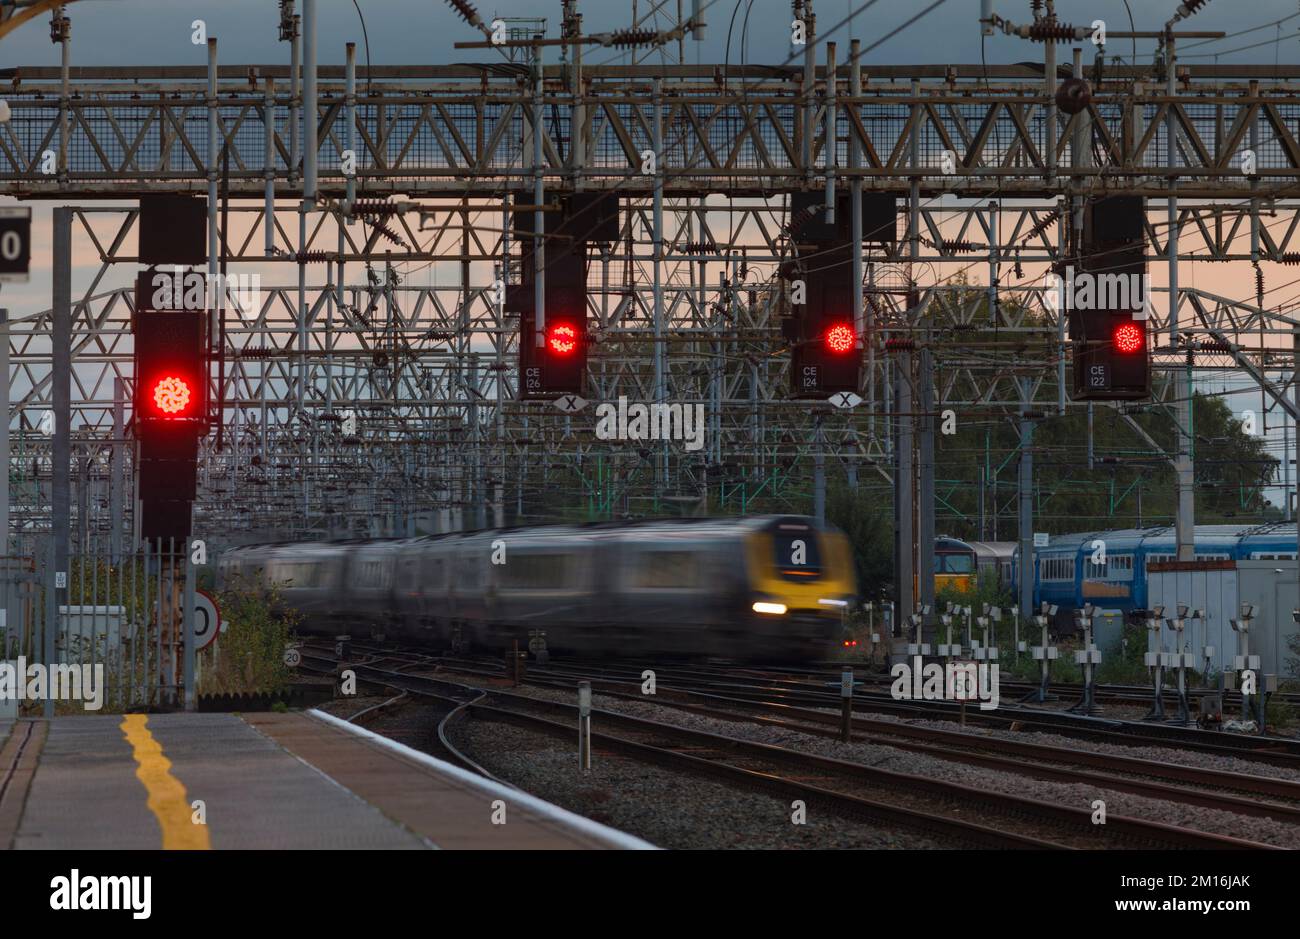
[
  {"x": 654, "y": 570},
  {"x": 1115, "y": 567},
  {"x": 538, "y": 571},
  {"x": 290, "y": 575},
  {"x": 1056, "y": 569},
  {"x": 374, "y": 574}
]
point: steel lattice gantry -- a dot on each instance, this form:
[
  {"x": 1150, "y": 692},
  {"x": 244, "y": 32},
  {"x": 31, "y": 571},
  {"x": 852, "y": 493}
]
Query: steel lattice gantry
[{"x": 427, "y": 364}]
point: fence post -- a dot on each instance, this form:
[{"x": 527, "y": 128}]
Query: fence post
[{"x": 187, "y": 628}]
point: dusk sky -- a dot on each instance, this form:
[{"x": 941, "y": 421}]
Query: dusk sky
[{"x": 122, "y": 32}]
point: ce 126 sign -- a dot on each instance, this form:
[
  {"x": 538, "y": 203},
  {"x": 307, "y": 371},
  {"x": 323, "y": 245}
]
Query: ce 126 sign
[{"x": 15, "y": 244}]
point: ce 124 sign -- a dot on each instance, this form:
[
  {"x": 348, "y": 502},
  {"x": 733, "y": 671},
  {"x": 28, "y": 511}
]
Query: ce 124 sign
[{"x": 15, "y": 244}]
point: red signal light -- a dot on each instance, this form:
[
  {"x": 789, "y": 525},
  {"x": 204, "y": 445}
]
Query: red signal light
[
  {"x": 841, "y": 338},
  {"x": 1128, "y": 338},
  {"x": 171, "y": 395},
  {"x": 561, "y": 338}
]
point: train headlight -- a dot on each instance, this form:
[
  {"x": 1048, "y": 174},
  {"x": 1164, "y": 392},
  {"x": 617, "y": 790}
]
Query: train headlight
[
  {"x": 765, "y": 606},
  {"x": 830, "y": 601}
]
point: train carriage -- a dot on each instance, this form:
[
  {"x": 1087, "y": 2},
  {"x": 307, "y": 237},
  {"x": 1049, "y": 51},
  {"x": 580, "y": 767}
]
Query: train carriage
[
  {"x": 745, "y": 588},
  {"x": 1108, "y": 569}
]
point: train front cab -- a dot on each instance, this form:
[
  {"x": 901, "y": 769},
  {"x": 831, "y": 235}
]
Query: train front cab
[
  {"x": 802, "y": 588},
  {"x": 954, "y": 565}
]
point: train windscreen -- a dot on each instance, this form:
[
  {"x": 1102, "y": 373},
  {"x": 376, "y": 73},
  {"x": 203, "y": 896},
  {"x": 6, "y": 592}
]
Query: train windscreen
[
  {"x": 954, "y": 564},
  {"x": 797, "y": 553}
]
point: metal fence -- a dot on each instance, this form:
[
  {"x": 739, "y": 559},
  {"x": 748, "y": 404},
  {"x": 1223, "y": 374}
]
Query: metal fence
[{"x": 106, "y": 636}]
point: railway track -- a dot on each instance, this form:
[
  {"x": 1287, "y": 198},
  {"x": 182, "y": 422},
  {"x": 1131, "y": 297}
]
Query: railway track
[
  {"x": 1276, "y": 751},
  {"x": 927, "y": 804},
  {"x": 740, "y": 684},
  {"x": 1144, "y": 777}
]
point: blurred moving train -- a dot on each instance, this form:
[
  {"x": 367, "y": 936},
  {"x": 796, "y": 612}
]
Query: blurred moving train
[{"x": 753, "y": 588}]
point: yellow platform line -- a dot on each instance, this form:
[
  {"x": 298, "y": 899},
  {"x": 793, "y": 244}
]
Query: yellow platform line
[{"x": 167, "y": 798}]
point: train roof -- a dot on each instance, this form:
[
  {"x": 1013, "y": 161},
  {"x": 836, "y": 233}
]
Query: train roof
[
  {"x": 1205, "y": 536},
  {"x": 996, "y": 549}
]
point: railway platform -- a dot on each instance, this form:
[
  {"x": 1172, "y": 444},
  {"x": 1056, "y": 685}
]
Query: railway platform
[{"x": 268, "y": 780}]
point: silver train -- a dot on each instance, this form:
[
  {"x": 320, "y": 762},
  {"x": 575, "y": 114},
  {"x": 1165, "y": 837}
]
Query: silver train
[{"x": 753, "y": 588}]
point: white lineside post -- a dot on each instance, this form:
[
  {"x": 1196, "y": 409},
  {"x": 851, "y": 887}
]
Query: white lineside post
[
  {"x": 846, "y": 705},
  {"x": 584, "y": 726}
]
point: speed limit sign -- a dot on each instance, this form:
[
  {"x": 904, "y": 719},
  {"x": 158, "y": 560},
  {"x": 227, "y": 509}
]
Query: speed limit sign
[
  {"x": 205, "y": 623},
  {"x": 15, "y": 244}
]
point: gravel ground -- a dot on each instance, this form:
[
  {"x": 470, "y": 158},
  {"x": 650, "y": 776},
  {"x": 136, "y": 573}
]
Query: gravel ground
[
  {"x": 663, "y": 807},
  {"x": 1077, "y": 795},
  {"x": 658, "y": 805},
  {"x": 673, "y": 810},
  {"x": 346, "y": 707}
]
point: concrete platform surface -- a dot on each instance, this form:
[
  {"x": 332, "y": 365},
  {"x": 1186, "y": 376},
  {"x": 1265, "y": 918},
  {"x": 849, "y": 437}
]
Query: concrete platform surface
[{"x": 293, "y": 780}]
